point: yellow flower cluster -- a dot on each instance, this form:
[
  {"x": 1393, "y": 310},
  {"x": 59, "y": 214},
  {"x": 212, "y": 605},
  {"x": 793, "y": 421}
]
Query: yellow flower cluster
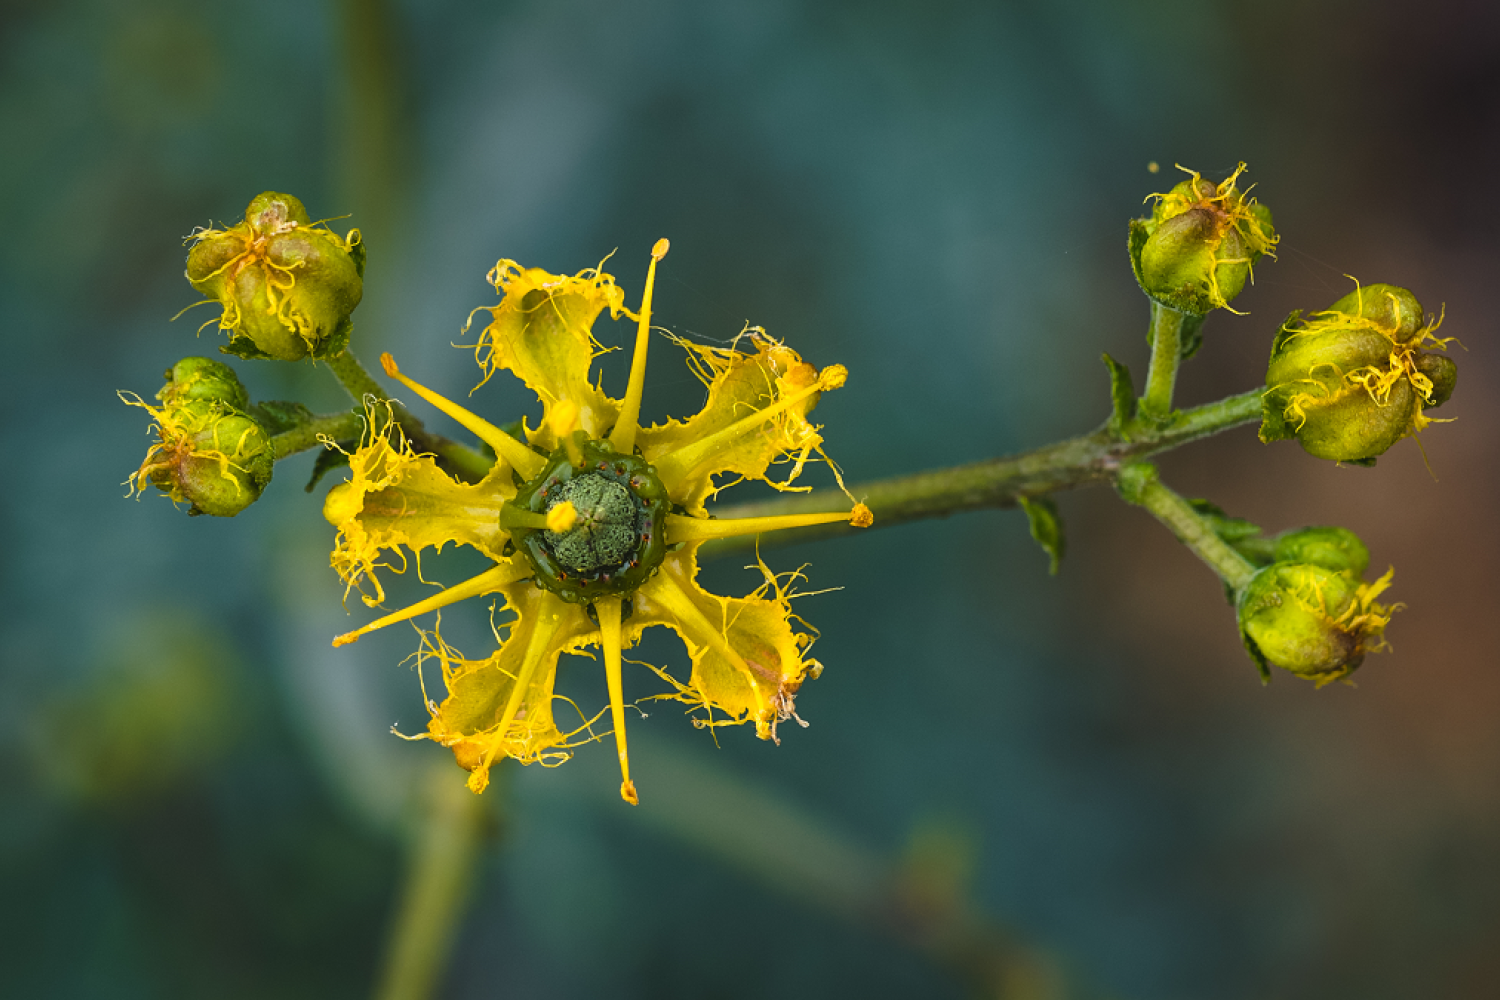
[{"x": 593, "y": 523}]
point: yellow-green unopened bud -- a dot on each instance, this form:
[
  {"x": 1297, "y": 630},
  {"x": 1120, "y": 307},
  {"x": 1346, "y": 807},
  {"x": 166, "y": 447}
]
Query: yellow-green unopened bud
[
  {"x": 209, "y": 455},
  {"x": 1337, "y": 549},
  {"x": 1352, "y": 380},
  {"x": 1197, "y": 250},
  {"x": 203, "y": 379},
  {"x": 1311, "y": 621},
  {"x": 287, "y": 287}
]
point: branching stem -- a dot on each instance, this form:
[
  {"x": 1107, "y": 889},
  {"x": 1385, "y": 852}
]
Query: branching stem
[
  {"x": 997, "y": 482},
  {"x": 1139, "y": 484},
  {"x": 346, "y": 426}
]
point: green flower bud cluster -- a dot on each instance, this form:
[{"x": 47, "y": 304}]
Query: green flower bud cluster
[
  {"x": 214, "y": 452},
  {"x": 1352, "y": 380},
  {"x": 287, "y": 287},
  {"x": 1308, "y": 611},
  {"x": 1197, "y": 249}
]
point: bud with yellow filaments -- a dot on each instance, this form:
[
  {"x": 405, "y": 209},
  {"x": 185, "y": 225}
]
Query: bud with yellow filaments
[
  {"x": 1352, "y": 380},
  {"x": 1312, "y": 621},
  {"x": 287, "y": 286},
  {"x": 1200, "y": 245},
  {"x": 211, "y": 453}
]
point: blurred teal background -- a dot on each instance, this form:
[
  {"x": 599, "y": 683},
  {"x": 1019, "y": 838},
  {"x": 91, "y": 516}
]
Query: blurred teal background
[{"x": 198, "y": 797}]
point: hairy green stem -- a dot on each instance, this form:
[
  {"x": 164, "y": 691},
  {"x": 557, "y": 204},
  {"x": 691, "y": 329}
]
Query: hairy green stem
[
  {"x": 433, "y": 898},
  {"x": 468, "y": 463},
  {"x": 347, "y": 426},
  {"x": 997, "y": 482},
  {"x": 1139, "y": 484},
  {"x": 1169, "y": 330}
]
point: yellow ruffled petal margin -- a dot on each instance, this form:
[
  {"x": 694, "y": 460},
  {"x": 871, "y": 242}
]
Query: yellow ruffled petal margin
[
  {"x": 396, "y": 499},
  {"x": 748, "y": 657},
  {"x": 542, "y": 332}
]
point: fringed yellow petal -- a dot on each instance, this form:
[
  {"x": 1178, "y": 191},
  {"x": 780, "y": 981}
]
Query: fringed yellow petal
[
  {"x": 541, "y": 331},
  {"x": 501, "y": 706},
  {"x": 748, "y": 663},
  {"x": 396, "y": 498},
  {"x": 739, "y": 385}
]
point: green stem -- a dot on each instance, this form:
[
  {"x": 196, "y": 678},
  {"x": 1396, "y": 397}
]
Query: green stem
[
  {"x": 436, "y": 890},
  {"x": 997, "y": 482},
  {"x": 470, "y": 464},
  {"x": 345, "y": 426},
  {"x": 1169, "y": 331},
  {"x": 1140, "y": 484}
]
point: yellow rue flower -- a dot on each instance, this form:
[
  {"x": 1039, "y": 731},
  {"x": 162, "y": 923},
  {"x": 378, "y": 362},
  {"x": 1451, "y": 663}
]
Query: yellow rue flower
[{"x": 593, "y": 523}]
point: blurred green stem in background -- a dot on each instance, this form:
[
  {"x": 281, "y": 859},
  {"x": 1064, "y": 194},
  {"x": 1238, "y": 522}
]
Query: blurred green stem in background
[
  {"x": 997, "y": 482},
  {"x": 440, "y": 873}
]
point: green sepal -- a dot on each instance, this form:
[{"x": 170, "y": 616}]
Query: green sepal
[
  {"x": 1046, "y": 527},
  {"x": 1190, "y": 335},
  {"x": 280, "y": 415},
  {"x": 329, "y": 459},
  {"x": 1239, "y": 534},
  {"x": 241, "y": 346},
  {"x": 357, "y": 255},
  {"x": 1121, "y": 393}
]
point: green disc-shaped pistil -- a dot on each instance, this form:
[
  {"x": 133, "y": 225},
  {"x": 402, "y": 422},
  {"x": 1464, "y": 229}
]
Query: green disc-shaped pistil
[
  {"x": 605, "y": 533},
  {"x": 618, "y": 539}
]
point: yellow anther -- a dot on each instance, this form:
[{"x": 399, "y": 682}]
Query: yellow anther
[
  {"x": 660, "y": 248},
  {"x": 861, "y": 516},
  {"x": 562, "y": 517},
  {"x": 564, "y": 418},
  {"x": 833, "y": 377}
]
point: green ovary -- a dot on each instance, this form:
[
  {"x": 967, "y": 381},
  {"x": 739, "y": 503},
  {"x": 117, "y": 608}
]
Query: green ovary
[{"x": 605, "y": 533}]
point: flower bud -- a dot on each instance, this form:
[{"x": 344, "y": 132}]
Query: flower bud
[
  {"x": 210, "y": 454},
  {"x": 1197, "y": 250},
  {"x": 287, "y": 287},
  {"x": 1351, "y": 381},
  {"x": 203, "y": 379},
  {"x": 1310, "y": 620},
  {"x": 1333, "y": 548}
]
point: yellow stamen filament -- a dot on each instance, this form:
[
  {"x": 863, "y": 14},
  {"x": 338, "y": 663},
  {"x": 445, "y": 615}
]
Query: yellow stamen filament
[
  {"x": 623, "y": 436},
  {"x": 548, "y": 613},
  {"x": 681, "y": 528},
  {"x": 608, "y": 610},
  {"x": 525, "y": 461},
  {"x": 675, "y": 601},
  {"x": 564, "y": 420},
  {"x": 673, "y": 467},
  {"x": 487, "y": 582},
  {"x": 559, "y": 518}
]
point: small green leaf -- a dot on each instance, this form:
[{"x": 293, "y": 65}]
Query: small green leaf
[
  {"x": 328, "y": 460},
  {"x": 278, "y": 416},
  {"x": 1046, "y": 528},
  {"x": 1121, "y": 392}
]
